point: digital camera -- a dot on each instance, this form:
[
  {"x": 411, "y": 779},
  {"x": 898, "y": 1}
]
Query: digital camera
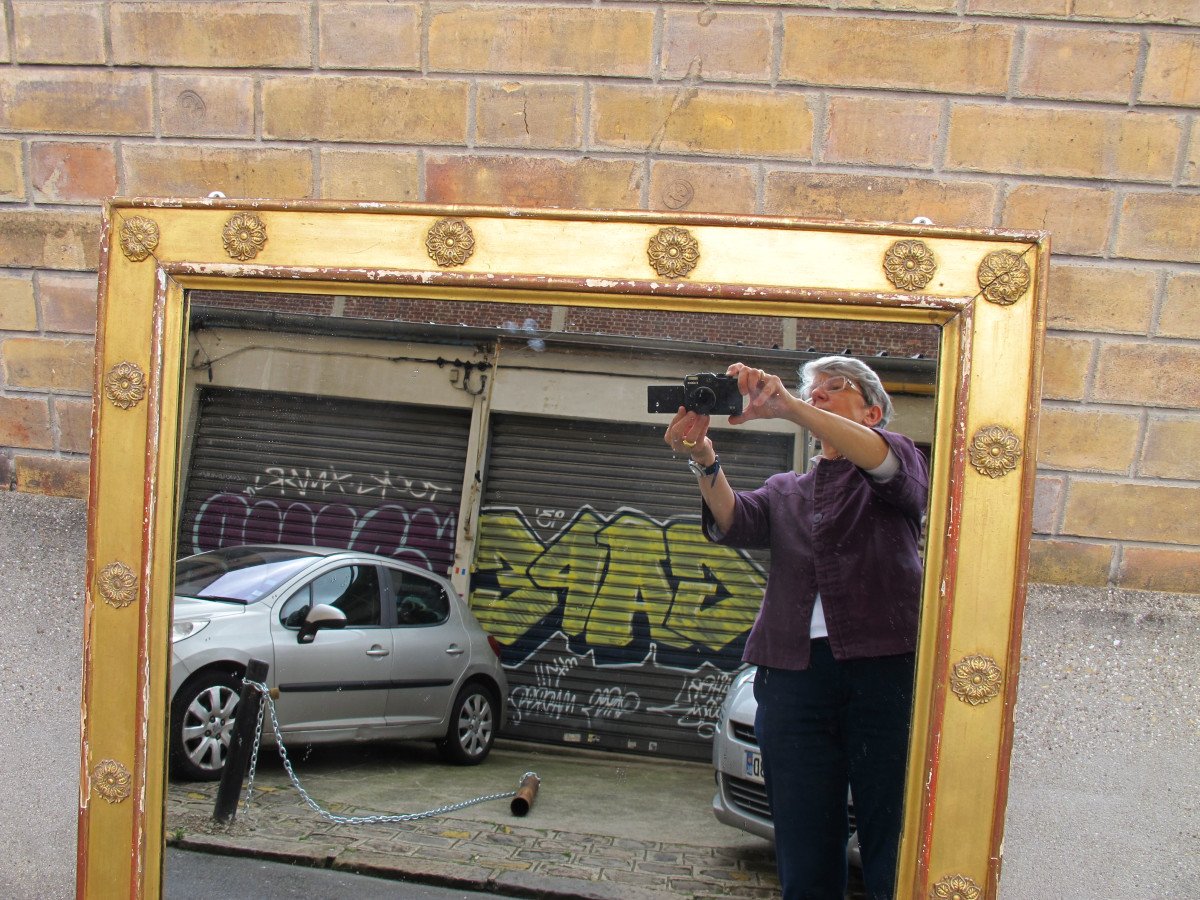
[{"x": 705, "y": 393}]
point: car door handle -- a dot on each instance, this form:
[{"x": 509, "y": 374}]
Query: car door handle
[
  {"x": 378, "y": 651},
  {"x": 454, "y": 650}
]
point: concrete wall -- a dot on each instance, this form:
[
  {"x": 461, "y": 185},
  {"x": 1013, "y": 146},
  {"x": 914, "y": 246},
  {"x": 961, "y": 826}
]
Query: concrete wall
[{"x": 1077, "y": 116}]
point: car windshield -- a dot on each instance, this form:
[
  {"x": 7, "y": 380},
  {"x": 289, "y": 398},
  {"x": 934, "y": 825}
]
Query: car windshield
[{"x": 238, "y": 574}]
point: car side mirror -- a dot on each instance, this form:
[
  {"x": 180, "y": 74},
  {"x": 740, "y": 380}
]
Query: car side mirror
[{"x": 320, "y": 616}]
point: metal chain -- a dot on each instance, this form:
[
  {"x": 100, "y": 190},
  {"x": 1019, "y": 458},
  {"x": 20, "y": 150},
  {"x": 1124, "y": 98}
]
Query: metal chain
[{"x": 269, "y": 705}]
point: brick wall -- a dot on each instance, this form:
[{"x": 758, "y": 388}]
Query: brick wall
[{"x": 1077, "y": 116}]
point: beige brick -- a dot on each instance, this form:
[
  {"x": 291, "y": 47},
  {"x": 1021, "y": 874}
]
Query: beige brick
[
  {"x": 1065, "y": 364},
  {"x": 76, "y": 101},
  {"x": 47, "y": 363},
  {"x": 206, "y": 105},
  {"x": 702, "y": 187},
  {"x": 370, "y": 175},
  {"x": 74, "y": 418},
  {"x": 879, "y": 131},
  {"x": 897, "y": 54},
  {"x": 702, "y": 120},
  {"x": 68, "y": 302},
  {"x": 1159, "y": 569},
  {"x": 1171, "y": 448},
  {"x": 1048, "y": 493},
  {"x": 1148, "y": 374},
  {"x": 25, "y": 422},
  {"x": 365, "y": 108},
  {"x": 4, "y": 57},
  {"x": 18, "y": 311},
  {"x": 869, "y": 198},
  {"x": 214, "y": 34},
  {"x": 1172, "y": 69},
  {"x": 1159, "y": 226},
  {"x": 1047, "y": 502},
  {"x": 1173, "y": 12},
  {"x": 1087, "y": 441},
  {"x": 534, "y": 181},
  {"x": 1079, "y": 64},
  {"x": 72, "y": 172},
  {"x": 905, "y": 5},
  {"x": 56, "y": 476},
  {"x": 39, "y": 239},
  {"x": 1191, "y": 166},
  {"x": 1180, "y": 313},
  {"x": 1077, "y": 218},
  {"x": 12, "y": 171},
  {"x": 1055, "y": 8},
  {"x": 191, "y": 171},
  {"x": 716, "y": 45},
  {"x": 370, "y": 36},
  {"x": 529, "y": 114},
  {"x": 1133, "y": 512},
  {"x": 1071, "y": 143},
  {"x": 1070, "y": 562},
  {"x": 542, "y": 40},
  {"x": 1101, "y": 298},
  {"x": 70, "y": 33}
]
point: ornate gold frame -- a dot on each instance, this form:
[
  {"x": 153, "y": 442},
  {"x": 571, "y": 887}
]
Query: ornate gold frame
[{"x": 984, "y": 288}]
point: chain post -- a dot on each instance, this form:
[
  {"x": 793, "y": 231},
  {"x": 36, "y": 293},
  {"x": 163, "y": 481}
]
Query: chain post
[{"x": 236, "y": 760}]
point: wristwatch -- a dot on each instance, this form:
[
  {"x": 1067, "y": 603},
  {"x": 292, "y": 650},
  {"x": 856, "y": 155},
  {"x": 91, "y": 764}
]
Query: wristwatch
[{"x": 702, "y": 471}]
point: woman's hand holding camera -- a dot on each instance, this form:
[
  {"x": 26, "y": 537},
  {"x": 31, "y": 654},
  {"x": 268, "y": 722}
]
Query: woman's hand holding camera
[
  {"x": 688, "y": 433},
  {"x": 766, "y": 396}
]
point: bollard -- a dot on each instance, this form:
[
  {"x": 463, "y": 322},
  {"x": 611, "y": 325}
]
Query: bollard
[
  {"x": 240, "y": 742},
  {"x": 526, "y": 794}
]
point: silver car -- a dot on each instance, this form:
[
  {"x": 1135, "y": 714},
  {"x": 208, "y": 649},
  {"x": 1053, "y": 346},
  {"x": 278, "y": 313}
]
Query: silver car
[
  {"x": 741, "y": 797},
  {"x": 360, "y": 647}
]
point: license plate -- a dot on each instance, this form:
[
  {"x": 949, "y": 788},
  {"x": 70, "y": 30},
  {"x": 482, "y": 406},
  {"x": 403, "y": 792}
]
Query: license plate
[{"x": 754, "y": 765}]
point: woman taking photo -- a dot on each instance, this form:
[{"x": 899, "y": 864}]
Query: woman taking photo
[{"x": 835, "y": 637}]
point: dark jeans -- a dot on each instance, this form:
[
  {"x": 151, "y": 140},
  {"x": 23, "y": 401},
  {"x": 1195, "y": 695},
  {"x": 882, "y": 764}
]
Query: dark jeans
[{"x": 832, "y": 727}]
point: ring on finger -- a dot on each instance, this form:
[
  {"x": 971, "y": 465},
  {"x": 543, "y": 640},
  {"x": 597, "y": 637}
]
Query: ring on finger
[{"x": 689, "y": 444}]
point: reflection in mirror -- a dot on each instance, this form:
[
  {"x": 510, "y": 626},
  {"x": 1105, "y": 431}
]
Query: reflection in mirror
[{"x": 507, "y": 447}]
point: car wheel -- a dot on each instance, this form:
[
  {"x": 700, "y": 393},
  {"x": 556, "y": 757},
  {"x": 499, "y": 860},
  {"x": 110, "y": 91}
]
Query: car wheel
[
  {"x": 472, "y": 728},
  {"x": 202, "y": 719}
]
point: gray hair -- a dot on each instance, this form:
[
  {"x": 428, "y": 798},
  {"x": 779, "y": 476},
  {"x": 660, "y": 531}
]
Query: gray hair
[{"x": 858, "y": 372}]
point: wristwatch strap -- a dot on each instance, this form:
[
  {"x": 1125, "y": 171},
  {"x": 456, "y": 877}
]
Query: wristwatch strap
[{"x": 703, "y": 471}]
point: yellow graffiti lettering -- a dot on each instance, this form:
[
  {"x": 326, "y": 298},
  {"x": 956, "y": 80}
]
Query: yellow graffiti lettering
[
  {"x": 719, "y": 590},
  {"x": 573, "y": 567},
  {"x": 507, "y": 547},
  {"x": 634, "y": 583}
]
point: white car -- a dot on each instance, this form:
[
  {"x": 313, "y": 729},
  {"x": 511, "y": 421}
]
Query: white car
[
  {"x": 360, "y": 647},
  {"x": 741, "y": 797}
]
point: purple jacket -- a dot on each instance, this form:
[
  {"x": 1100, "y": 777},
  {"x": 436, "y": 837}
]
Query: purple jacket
[{"x": 838, "y": 531}]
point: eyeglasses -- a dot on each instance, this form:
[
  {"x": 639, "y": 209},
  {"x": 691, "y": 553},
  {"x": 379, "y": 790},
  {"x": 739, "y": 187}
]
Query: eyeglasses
[{"x": 834, "y": 385}]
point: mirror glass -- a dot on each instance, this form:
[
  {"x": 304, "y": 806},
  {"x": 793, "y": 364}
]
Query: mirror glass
[{"x": 508, "y": 448}]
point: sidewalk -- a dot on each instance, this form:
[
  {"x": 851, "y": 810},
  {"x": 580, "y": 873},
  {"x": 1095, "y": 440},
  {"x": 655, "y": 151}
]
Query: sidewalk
[{"x": 601, "y": 827}]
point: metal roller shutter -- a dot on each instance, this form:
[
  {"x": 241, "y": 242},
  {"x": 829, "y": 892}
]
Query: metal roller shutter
[
  {"x": 622, "y": 625},
  {"x": 286, "y": 468}
]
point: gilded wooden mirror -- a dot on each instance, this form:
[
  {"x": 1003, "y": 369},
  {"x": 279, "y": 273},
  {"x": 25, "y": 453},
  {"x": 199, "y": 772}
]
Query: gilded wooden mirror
[{"x": 981, "y": 292}]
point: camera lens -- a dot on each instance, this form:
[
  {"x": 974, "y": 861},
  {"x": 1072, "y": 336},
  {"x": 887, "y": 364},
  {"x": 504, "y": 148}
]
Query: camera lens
[{"x": 704, "y": 400}]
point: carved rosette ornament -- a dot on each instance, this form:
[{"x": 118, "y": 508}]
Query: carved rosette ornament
[
  {"x": 673, "y": 252},
  {"x": 111, "y": 780},
  {"x": 956, "y": 887},
  {"x": 117, "y": 584},
  {"x": 1003, "y": 277},
  {"x": 125, "y": 385},
  {"x": 976, "y": 679},
  {"x": 139, "y": 237},
  {"x": 450, "y": 242},
  {"x": 245, "y": 234},
  {"x": 909, "y": 265},
  {"x": 995, "y": 451}
]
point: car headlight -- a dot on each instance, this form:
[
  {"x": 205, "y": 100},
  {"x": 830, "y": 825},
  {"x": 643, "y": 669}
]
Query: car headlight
[{"x": 185, "y": 629}]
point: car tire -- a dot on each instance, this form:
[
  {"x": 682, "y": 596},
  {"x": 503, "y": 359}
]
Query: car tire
[
  {"x": 472, "y": 729},
  {"x": 203, "y": 714}
]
